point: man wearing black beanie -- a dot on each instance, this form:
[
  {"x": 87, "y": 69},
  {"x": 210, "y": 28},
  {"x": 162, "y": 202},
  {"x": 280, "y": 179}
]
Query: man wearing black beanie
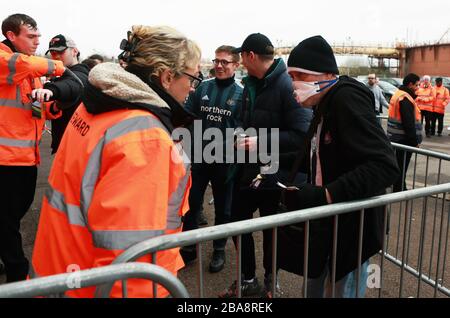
[{"x": 349, "y": 158}]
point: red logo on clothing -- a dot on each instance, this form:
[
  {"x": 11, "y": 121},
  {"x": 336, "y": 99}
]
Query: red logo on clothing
[{"x": 327, "y": 138}]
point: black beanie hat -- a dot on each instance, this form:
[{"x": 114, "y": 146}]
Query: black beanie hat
[{"x": 314, "y": 54}]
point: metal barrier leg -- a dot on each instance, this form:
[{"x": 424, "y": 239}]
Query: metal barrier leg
[
  {"x": 155, "y": 286},
  {"x": 439, "y": 245},
  {"x": 124, "y": 289},
  {"x": 399, "y": 229},
  {"x": 406, "y": 229},
  {"x": 360, "y": 246},
  {"x": 446, "y": 245},
  {"x": 334, "y": 256},
  {"x": 383, "y": 251},
  {"x": 388, "y": 225},
  {"x": 422, "y": 243},
  {"x": 200, "y": 270},
  {"x": 239, "y": 265},
  {"x": 306, "y": 260},
  {"x": 401, "y": 204},
  {"x": 274, "y": 262},
  {"x": 412, "y": 210},
  {"x": 434, "y": 221}
]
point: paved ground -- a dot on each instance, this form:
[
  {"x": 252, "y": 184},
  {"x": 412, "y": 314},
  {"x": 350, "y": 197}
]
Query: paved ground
[{"x": 291, "y": 284}]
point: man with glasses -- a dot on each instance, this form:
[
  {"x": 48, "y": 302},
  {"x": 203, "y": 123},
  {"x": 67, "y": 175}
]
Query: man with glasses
[
  {"x": 217, "y": 102},
  {"x": 65, "y": 91}
]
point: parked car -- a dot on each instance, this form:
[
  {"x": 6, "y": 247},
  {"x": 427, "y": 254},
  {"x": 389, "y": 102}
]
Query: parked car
[
  {"x": 396, "y": 81},
  {"x": 388, "y": 89}
]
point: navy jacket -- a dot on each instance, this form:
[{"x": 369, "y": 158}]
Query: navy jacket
[{"x": 271, "y": 104}]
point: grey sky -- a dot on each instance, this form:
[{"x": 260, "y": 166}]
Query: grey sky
[{"x": 98, "y": 26}]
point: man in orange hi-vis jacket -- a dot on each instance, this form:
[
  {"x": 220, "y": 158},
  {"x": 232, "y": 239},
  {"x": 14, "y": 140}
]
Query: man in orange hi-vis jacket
[
  {"x": 21, "y": 125},
  {"x": 425, "y": 100},
  {"x": 441, "y": 101}
]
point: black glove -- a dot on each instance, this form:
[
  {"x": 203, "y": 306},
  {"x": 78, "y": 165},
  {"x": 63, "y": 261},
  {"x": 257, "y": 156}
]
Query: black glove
[
  {"x": 307, "y": 196},
  {"x": 265, "y": 182}
]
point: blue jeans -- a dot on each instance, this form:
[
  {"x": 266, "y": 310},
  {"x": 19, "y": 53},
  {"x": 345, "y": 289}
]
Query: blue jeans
[{"x": 345, "y": 288}]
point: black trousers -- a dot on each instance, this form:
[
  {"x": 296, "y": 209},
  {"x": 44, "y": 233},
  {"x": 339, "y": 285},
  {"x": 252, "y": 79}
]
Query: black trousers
[
  {"x": 403, "y": 159},
  {"x": 202, "y": 174},
  {"x": 245, "y": 202},
  {"x": 440, "y": 119},
  {"x": 17, "y": 187},
  {"x": 428, "y": 117}
]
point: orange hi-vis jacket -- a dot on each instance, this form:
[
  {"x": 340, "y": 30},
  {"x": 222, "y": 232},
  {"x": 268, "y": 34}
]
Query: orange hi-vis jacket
[
  {"x": 442, "y": 99},
  {"x": 395, "y": 130},
  {"x": 20, "y": 132},
  {"x": 425, "y": 97},
  {"x": 117, "y": 179}
]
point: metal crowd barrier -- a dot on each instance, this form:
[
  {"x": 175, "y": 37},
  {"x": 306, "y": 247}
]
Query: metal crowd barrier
[
  {"x": 414, "y": 219},
  {"x": 398, "y": 254},
  {"x": 58, "y": 284},
  {"x": 426, "y": 168}
]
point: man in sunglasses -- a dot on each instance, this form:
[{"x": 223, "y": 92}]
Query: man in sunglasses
[{"x": 217, "y": 102}]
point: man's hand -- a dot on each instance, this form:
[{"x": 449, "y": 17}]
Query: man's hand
[
  {"x": 307, "y": 196},
  {"x": 41, "y": 94},
  {"x": 247, "y": 143}
]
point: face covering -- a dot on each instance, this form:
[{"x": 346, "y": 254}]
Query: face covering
[{"x": 304, "y": 90}]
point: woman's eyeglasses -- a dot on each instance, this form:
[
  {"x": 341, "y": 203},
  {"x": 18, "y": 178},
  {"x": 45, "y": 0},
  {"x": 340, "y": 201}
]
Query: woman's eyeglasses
[{"x": 195, "y": 81}]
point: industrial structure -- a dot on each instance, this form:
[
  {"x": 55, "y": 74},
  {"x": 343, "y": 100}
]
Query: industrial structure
[{"x": 400, "y": 59}]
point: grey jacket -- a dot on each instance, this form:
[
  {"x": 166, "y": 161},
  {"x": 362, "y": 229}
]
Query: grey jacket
[{"x": 380, "y": 101}]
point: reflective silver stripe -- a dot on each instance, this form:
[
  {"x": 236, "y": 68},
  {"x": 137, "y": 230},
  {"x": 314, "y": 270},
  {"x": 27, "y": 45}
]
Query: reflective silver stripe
[
  {"x": 131, "y": 125},
  {"x": 17, "y": 103},
  {"x": 94, "y": 164},
  {"x": 90, "y": 177},
  {"x": 12, "y": 68},
  {"x": 121, "y": 240},
  {"x": 17, "y": 143},
  {"x": 394, "y": 121},
  {"x": 176, "y": 199},
  {"x": 57, "y": 201},
  {"x": 14, "y": 103},
  {"x": 396, "y": 131},
  {"x": 50, "y": 67}
]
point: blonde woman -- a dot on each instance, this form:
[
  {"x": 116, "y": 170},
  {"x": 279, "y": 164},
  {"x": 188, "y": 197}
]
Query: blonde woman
[{"x": 118, "y": 177}]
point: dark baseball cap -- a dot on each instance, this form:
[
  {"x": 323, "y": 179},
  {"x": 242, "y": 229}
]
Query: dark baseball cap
[
  {"x": 59, "y": 43},
  {"x": 257, "y": 43}
]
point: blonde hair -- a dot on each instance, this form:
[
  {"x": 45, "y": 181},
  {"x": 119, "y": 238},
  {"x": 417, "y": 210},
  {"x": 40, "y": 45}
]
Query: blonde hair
[{"x": 161, "y": 48}]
